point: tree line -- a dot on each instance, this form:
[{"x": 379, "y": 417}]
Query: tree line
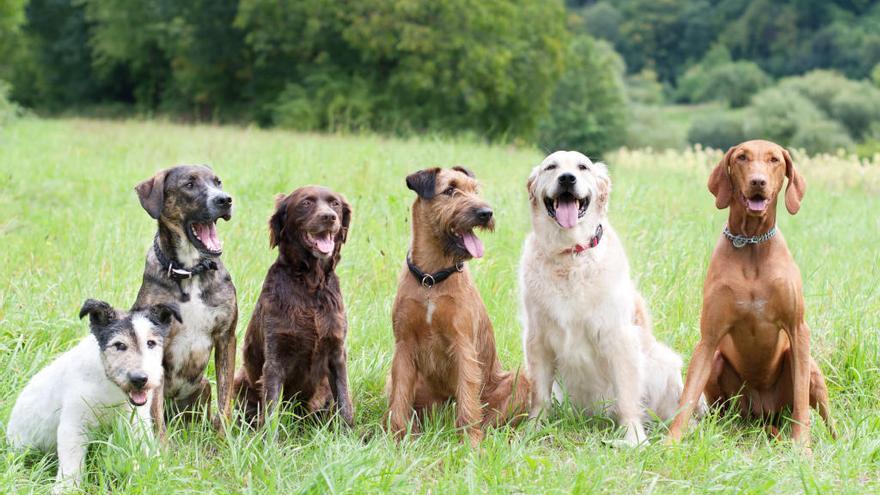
[{"x": 546, "y": 71}]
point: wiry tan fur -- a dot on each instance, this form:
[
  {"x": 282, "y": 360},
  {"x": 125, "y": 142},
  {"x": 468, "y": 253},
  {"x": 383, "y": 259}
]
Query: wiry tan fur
[{"x": 444, "y": 342}]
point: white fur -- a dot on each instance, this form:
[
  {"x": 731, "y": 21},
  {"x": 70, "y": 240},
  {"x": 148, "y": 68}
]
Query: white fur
[
  {"x": 67, "y": 398},
  {"x": 578, "y": 311},
  {"x": 192, "y": 341}
]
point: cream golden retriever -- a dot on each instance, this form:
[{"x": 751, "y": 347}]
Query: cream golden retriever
[{"x": 586, "y": 327}]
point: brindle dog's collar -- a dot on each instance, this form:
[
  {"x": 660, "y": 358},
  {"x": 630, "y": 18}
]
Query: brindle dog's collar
[
  {"x": 739, "y": 241},
  {"x": 176, "y": 271},
  {"x": 429, "y": 280}
]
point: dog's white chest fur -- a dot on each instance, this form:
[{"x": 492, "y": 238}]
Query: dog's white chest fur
[{"x": 189, "y": 350}]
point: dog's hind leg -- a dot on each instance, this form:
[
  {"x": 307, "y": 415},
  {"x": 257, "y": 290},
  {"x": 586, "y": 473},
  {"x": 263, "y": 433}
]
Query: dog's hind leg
[
  {"x": 507, "y": 401},
  {"x": 819, "y": 397},
  {"x": 224, "y": 364}
]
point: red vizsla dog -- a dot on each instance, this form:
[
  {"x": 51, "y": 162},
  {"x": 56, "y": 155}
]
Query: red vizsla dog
[{"x": 754, "y": 342}]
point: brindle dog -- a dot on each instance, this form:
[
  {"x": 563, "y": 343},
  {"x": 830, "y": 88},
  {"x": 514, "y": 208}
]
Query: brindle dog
[
  {"x": 183, "y": 266},
  {"x": 444, "y": 343},
  {"x": 294, "y": 348}
]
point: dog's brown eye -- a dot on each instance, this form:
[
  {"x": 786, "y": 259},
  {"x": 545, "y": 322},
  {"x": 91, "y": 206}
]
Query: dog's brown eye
[
  {"x": 335, "y": 203},
  {"x": 190, "y": 185},
  {"x": 218, "y": 181},
  {"x": 306, "y": 203},
  {"x": 773, "y": 159},
  {"x": 551, "y": 167},
  {"x": 741, "y": 157},
  {"x": 449, "y": 191},
  {"x": 151, "y": 344},
  {"x": 120, "y": 346},
  {"x": 582, "y": 167}
]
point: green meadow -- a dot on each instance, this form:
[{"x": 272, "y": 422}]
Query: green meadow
[{"x": 71, "y": 228}]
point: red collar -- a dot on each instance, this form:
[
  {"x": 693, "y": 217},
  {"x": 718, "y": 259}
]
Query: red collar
[{"x": 580, "y": 248}]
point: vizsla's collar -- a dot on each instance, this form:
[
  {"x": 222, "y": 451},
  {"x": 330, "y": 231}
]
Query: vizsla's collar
[
  {"x": 580, "y": 248},
  {"x": 739, "y": 241}
]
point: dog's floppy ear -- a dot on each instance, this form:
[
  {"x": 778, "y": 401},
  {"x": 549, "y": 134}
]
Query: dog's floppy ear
[
  {"x": 100, "y": 313},
  {"x": 465, "y": 172},
  {"x": 603, "y": 180},
  {"x": 151, "y": 193},
  {"x": 720, "y": 184},
  {"x": 531, "y": 182},
  {"x": 796, "y": 188},
  {"x": 277, "y": 220},
  {"x": 345, "y": 221},
  {"x": 423, "y": 182}
]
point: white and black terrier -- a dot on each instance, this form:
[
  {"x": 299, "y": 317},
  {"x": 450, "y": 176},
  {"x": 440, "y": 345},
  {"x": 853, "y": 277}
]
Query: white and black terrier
[{"x": 115, "y": 368}]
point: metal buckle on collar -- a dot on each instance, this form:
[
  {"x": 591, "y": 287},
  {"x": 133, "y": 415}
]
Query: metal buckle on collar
[
  {"x": 428, "y": 281},
  {"x": 178, "y": 272},
  {"x": 459, "y": 266}
]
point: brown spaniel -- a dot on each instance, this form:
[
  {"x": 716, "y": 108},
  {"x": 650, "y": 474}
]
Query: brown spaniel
[{"x": 294, "y": 348}]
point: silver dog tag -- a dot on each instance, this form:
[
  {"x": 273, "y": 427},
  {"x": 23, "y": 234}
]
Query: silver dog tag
[{"x": 738, "y": 243}]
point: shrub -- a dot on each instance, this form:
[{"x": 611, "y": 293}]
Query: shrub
[
  {"x": 732, "y": 82},
  {"x": 644, "y": 88},
  {"x": 855, "y": 104},
  {"x": 8, "y": 109},
  {"x": 821, "y": 136},
  {"x": 649, "y": 127},
  {"x": 789, "y": 118},
  {"x": 588, "y": 108},
  {"x": 776, "y": 114},
  {"x": 719, "y": 131}
]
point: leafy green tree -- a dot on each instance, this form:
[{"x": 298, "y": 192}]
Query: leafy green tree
[
  {"x": 416, "y": 65},
  {"x": 588, "y": 110}
]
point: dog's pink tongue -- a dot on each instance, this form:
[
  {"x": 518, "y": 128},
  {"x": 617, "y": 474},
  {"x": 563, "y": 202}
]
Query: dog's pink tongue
[
  {"x": 208, "y": 235},
  {"x": 757, "y": 204},
  {"x": 139, "y": 397},
  {"x": 567, "y": 213},
  {"x": 325, "y": 243},
  {"x": 473, "y": 244}
]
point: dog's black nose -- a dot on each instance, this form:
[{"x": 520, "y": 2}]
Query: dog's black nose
[
  {"x": 567, "y": 180},
  {"x": 223, "y": 200},
  {"x": 484, "y": 214},
  {"x": 328, "y": 217},
  {"x": 138, "y": 379}
]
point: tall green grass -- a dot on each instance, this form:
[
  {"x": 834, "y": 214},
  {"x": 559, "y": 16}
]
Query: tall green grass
[{"x": 71, "y": 228}]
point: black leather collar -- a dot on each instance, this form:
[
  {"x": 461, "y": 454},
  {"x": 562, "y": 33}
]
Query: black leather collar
[
  {"x": 175, "y": 271},
  {"x": 429, "y": 280}
]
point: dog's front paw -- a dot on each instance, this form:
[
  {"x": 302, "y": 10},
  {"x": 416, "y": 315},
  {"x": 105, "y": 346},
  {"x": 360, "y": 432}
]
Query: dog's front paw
[
  {"x": 63, "y": 486},
  {"x": 635, "y": 435}
]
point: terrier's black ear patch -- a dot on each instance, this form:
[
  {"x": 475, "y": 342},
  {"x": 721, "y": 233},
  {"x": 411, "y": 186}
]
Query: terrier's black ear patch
[
  {"x": 423, "y": 182},
  {"x": 100, "y": 313},
  {"x": 465, "y": 171},
  {"x": 163, "y": 313}
]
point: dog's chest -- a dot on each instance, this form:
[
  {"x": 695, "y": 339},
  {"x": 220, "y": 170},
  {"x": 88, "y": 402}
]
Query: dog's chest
[{"x": 189, "y": 347}]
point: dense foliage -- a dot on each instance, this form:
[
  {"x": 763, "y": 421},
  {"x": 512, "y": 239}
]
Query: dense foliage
[
  {"x": 782, "y": 37},
  {"x": 583, "y": 74},
  {"x": 588, "y": 110}
]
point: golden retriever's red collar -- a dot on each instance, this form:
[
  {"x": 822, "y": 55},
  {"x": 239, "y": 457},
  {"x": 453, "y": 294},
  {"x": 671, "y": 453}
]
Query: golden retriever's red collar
[
  {"x": 429, "y": 280},
  {"x": 580, "y": 248}
]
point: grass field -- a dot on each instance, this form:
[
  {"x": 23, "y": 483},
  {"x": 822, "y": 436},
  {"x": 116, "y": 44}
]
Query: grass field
[{"x": 71, "y": 228}]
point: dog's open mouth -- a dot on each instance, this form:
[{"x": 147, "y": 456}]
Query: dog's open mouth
[
  {"x": 205, "y": 237},
  {"x": 137, "y": 397},
  {"x": 756, "y": 203},
  {"x": 469, "y": 242},
  {"x": 322, "y": 242},
  {"x": 566, "y": 209}
]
